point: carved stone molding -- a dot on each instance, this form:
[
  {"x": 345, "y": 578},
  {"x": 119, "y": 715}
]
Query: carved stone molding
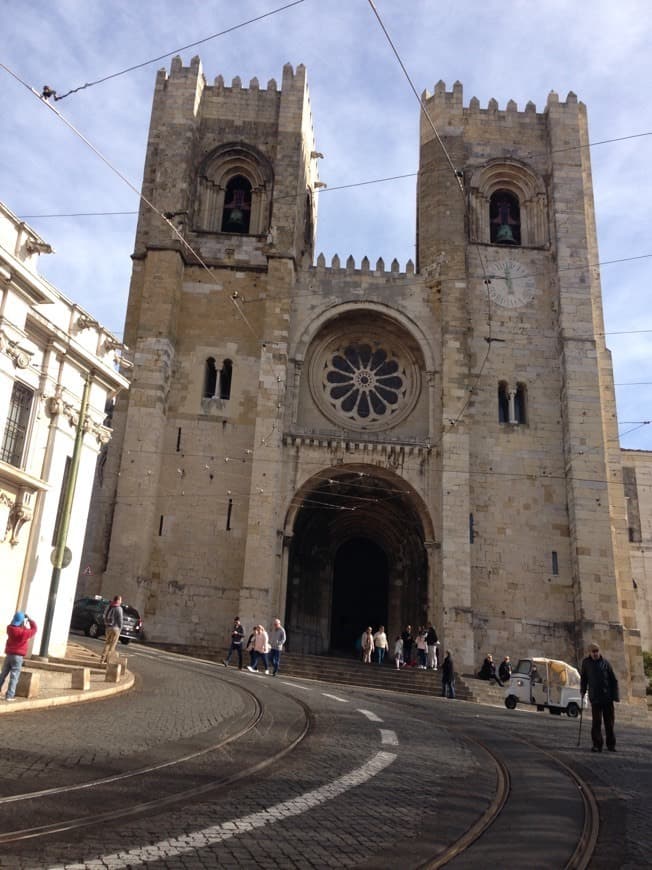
[
  {"x": 20, "y": 513},
  {"x": 55, "y": 405},
  {"x": 20, "y": 356},
  {"x": 86, "y": 322}
]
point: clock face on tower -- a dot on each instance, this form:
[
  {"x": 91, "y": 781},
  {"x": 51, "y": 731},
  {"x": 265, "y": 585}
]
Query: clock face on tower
[{"x": 511, "y": 285}]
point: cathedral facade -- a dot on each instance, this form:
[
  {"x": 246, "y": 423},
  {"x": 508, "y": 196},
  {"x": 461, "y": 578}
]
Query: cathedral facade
[{"x": 344, "y": 444}]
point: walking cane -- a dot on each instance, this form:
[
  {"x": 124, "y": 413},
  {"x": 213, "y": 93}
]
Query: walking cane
[{"x": 579, "y": 733}]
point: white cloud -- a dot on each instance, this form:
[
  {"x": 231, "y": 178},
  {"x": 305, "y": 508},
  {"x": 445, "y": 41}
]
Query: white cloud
[{"x": 366, "y": 122}]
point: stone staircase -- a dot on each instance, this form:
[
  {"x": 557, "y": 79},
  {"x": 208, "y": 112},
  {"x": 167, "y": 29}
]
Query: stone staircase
[
  {"x": 351, "y": 672},
  {"x": 348, "y": 671}
]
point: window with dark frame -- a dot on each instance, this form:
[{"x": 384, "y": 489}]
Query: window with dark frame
[
  {"x": 503, "y": 403},
  {"x": 505, "y": 218},
  {"x": 226, "y": 375},
  {"x": 520, "y": 404},
  {"x": 237, "y": 206},
  {"x": 210, "y": 378},
  {"x": 15, "y": 434}
]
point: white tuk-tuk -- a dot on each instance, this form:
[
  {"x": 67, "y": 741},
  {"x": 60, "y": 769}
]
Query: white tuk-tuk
[{"x": 548, "y": 684}]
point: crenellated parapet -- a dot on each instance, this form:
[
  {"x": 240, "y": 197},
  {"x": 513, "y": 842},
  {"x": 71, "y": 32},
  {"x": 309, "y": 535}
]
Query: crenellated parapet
[
  {"x": 349, "y": 267},
  {"x": 453, "y": 99},
  {"x": 192, "y": 76}
]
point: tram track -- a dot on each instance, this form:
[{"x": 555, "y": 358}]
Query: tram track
[
  {"x": 499, "y": 807},
  {"x": 39, "y": 799},
  {"x": 479, "y": 832}
]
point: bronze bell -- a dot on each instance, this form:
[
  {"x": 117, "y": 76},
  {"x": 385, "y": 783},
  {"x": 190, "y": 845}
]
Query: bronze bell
[
  {"x": 505, "y": 234},
  {"x": 236, "y": 216}
]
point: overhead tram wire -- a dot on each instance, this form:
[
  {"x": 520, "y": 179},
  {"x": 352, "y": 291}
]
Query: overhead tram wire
[
  {"x": 129, "y": 184},
  {"x": 49, "y": 92},
  {"x": 330, "y": 189},
  {"x": 458, "y": 175}
]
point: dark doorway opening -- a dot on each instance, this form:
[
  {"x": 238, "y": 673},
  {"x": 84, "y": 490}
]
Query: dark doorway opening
[{"x": 360, "y": 592}]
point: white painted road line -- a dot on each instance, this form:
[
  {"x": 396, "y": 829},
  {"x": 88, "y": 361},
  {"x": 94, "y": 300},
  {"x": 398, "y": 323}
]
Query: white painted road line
[
  {"x": 166, "y": 849},
  {"x": 370, "y": 716},
  {"x": 335, "y": 698},
  {"x": 388, "y": 738},
  {"x": 296, "y": 686}
]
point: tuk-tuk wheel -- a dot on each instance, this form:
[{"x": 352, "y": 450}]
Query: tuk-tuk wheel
[
  {"x": 511, "y": 701},
  {"x": 573, "y": 710}
]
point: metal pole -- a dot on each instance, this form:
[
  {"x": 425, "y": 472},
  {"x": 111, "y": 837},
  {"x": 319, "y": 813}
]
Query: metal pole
[{"x": 66, "y": 512}]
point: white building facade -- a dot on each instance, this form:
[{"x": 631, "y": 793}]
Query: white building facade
[{"x": 49, "y": 349}]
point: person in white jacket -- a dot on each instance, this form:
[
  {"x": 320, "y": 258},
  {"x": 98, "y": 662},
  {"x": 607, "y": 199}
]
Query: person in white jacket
[
  {"x": 261, "y": 649},
  {"x": 380, "y": 643}
]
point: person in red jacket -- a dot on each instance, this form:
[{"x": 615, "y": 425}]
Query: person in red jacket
[{"x": 19, "y": 632}]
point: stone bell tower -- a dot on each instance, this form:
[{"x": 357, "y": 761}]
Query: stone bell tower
[
  {"x": 533, "y": 530},
  {"x": 233, "y": 169}
]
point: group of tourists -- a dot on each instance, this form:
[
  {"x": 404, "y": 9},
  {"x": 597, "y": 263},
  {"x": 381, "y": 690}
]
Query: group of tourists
[
  {"x": 410, "y": 648},
  {"x": 488, "y": 670},
  {"x": 418, "y": 649},
  {"x": 263, "y": 646}
]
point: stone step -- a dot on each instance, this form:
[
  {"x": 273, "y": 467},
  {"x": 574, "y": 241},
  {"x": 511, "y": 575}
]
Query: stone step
[{"x": 345, "y": 671}]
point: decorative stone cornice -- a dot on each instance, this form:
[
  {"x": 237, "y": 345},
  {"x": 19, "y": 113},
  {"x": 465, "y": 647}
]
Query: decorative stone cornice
[
  {"x": 55, "y": 405},
  {"x": 84, "y": 321},
  {"x": 21, "y": 356},
  {"x": 18, "y": 514}
]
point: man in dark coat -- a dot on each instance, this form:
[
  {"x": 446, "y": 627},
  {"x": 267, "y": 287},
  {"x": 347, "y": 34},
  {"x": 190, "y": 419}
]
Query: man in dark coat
[
  {"x": 447, "y": 676},
  {"x": 597, "y": 675},
  {"x": 237, "y": 641}
]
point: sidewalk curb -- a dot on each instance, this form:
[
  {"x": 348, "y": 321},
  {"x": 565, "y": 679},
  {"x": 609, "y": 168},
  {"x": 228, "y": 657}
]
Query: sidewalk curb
[{"x": 80, "y": 697}]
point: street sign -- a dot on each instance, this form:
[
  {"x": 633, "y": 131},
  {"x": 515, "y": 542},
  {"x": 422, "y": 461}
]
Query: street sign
[{"x": 67, "y": 557}]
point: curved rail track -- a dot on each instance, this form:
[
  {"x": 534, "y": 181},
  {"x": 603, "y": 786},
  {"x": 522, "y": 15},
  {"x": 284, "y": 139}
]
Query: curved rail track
[
  {"x": 499, "y": 807},
  {"x": 482, "y": 827},
  {"x": 142, "y": 781}
]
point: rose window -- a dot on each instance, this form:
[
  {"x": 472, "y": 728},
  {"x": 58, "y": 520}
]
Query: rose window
[
  {"x": 366, "y": 383},
  {"x": 365, "y": 375}
]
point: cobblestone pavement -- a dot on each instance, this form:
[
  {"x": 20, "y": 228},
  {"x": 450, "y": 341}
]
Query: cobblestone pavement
[{"x": 433, "y": 780}]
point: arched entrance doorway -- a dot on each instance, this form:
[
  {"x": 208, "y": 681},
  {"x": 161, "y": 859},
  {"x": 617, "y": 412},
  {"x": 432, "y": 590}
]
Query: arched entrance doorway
[
  {"x": 357, "y": 557},
  {"x": 360, "y": 587}
]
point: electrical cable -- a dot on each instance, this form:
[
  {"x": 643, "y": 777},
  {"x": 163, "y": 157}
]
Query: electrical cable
[
  {"x": 129, "y": 184},
  {"x": 330, "y": 188},
  {"x": 49, "y": 92}
]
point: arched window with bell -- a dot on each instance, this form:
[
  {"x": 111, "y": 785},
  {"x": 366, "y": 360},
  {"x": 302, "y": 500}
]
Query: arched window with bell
[
  {"x": 236, "y": 215},
  {"x": 505, "y": 218},
  {"x": 508, "y": 205},
  {"x": 234, "y": 191}
]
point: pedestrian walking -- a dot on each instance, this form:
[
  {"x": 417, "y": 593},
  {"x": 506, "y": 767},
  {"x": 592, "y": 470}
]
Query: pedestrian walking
[
  {"x": 398, "y": 651},
  {"x": 19, "y": 632},
  {"x": 237, "y": 641},
  {"x": 447, "y": 676},
  {"x": 277, "y": 639},
  {"x": 250, "y": 647},
  {"x": 408, "y": 640},
  {"x": 113, "y": 619},
  {"x": 367, "y": 644},
  {"x": 261, "y": 649},
  {"x": 380, "y": 643},
  {"x": 433, "y": 642},
  {"x": 422, "y": 649},
  {"x": 505, "y": 670},
  {"x": 598, "y": 677}
]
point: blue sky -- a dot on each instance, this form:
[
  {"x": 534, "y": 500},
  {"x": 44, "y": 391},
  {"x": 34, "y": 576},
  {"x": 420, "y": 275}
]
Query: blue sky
[{"x": 365, "y": 117}]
